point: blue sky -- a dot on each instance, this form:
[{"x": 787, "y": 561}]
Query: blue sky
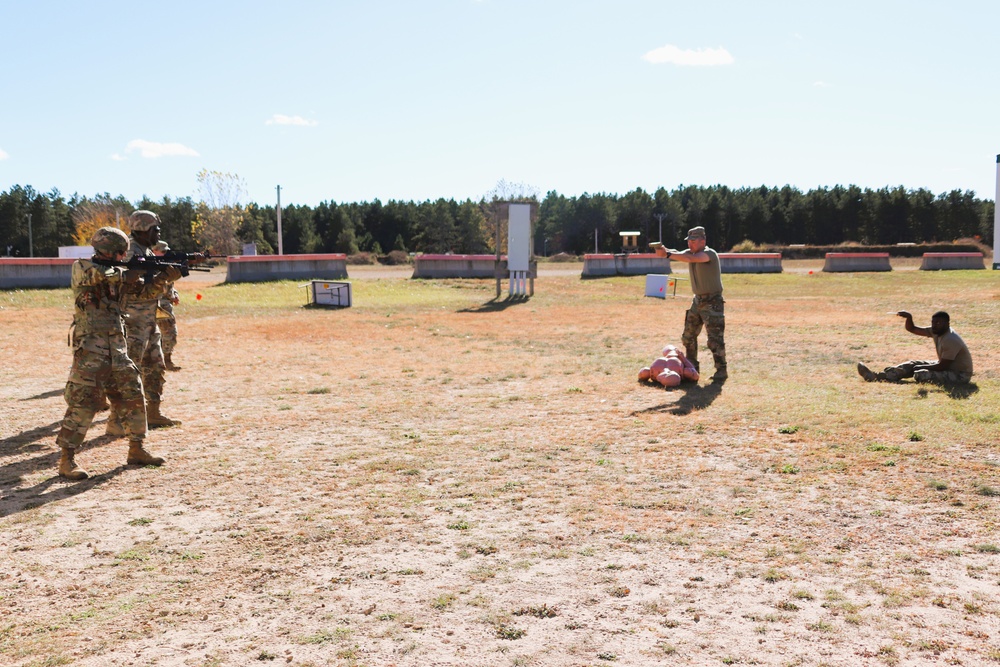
[{"x": 351, "y": 101}]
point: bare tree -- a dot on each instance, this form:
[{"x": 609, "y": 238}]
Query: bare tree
[
  {"x": 495, "y": 204},
  {"x": 220, "y": 211}
]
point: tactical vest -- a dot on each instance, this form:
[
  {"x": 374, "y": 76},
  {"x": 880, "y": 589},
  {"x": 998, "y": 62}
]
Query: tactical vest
[{"x": 99, "y": 295}]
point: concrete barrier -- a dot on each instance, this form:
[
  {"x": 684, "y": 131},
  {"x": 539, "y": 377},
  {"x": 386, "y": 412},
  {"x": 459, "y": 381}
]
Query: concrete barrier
[
  {"x": 633, "y": 264},
  {"x": 856, "y": 262},
  {"x": 262, "y": 268},
  {"x": 750, "y": 262},
  {"x": 455, "y": 266},
  {"x": 947, "y": 261},
  {"x": 35, "y": 272}
]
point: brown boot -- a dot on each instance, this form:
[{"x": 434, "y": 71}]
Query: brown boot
[
  {"x": 114, "y": 427},
  {"x": 138, "y": 456},
  {"x": 155, "y": 420},
  {"x": 170, "y": 364},
  {"x": 68, "y": 467}
]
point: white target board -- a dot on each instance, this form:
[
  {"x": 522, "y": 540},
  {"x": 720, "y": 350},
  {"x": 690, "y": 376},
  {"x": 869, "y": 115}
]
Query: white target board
[
  {"x": 656, "y": 285},
  {"x": 331, "y": 293},
  {"x": 519, "y": 237}
]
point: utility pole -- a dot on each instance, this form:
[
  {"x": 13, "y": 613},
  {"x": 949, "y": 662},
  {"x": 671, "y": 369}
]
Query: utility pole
[
  {"x": 31, "y": 243},
  {"x": 996, "y": 224},
  {"x": 281, "y": 245},
  {"x": 659, "y": 218}
]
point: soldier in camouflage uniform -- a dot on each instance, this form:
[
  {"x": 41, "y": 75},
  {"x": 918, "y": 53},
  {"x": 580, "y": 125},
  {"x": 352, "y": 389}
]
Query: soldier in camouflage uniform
[
  {"x": 708, "y": 307},
  {"x": 143, "y": 336},
  {"x": 953, "y": 365},
  {"x": 100, "y": 359},
  {"x": 166, "y": 321}
]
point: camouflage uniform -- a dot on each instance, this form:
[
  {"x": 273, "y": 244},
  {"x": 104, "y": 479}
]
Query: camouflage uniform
[
  {"x": 905, "y": 370},
  {"x": 166, "y": 321},
  {"x": 707, "y": 310},
  {"x": 144, "y": 345},
  {"x": 100, "y": 359}
]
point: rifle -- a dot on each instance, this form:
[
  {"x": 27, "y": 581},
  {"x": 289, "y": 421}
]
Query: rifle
[
  {"x": 187, "y": 258},
  {"x": 151, "y": 265}
]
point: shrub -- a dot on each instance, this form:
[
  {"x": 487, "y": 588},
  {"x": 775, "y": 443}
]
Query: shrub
[
  {"x": 395, "y": 258},
  {"x": 361, "y": 258},
  {"x": 746, "y": 245}
]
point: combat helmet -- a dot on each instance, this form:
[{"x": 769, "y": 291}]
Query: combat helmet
[
  {"x": 109, "y": 241},
  {"x": 141, "y": 221}
]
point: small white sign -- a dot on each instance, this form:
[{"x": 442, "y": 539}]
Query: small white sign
[{"x": 656, "y": 285}]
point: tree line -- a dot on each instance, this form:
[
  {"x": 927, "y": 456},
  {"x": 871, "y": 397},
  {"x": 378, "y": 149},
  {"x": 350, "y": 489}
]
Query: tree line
[{"x": 761, "y": 215}]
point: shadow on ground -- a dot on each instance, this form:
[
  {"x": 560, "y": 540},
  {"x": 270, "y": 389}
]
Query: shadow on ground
[
  {"x": 25, "y": 455},
  {"x": 690, "y": 397},
  {"x": 496, "y": 305},
  {"x": 48, "y": 394},
  {"x": 960, "y": 391}
]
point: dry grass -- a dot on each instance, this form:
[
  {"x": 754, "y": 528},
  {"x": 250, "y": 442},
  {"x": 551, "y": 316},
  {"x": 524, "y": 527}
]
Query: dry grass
[{"x": 423, "y": 478}]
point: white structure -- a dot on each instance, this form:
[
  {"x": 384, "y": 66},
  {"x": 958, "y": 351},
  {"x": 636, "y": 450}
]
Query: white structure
[
  {"x": 76, "y": 251},
  {"x": 330, "y": 293},
  {"x": 996, "y": 222},
  {"x": 518, "y": 248},
  {"x": 656, "y": 285}
]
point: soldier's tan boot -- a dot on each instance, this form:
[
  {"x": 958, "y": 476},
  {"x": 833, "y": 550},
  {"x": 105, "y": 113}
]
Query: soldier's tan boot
[
  {"x": 114, "y": 427},
  {"x": 156, "y": 420},
  {"x": 68, "y": 467},
  {"x": 138, "y": 456},
  {"x": 171, "y": 366}
]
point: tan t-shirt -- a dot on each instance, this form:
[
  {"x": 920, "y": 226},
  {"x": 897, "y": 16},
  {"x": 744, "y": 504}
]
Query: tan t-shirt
[
  {"x": 951, "y": 347},
  {"x": 706, "y": 277}
]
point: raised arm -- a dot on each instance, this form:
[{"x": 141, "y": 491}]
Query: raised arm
[
  {"x": 682, "y": 255},
  {"x": 911, "y": 327}
]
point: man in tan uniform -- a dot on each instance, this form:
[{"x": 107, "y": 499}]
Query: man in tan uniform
[
  {"x": 953, "y": 365},
  {"x": 100, "y": 357},
  {"x": 140, "y": 313},
  {"x": 166, "y": 320},
  {"x": 708, "y": 308}
]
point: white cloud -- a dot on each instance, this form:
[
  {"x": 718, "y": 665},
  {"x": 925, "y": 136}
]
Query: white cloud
[
  {"x": 3, "y": 154},
  {"x": 282, "y": 119},
  {"x": 118, "y": 157},
  {"x": 821, "y": 84},
  {"x": 689, "y": 57},
  {"x": 153, "y": 149}
]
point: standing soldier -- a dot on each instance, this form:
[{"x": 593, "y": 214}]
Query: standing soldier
[
  {"x": 143, "y": 336},
  {"x": 166, "y": 321},
  {"x": 100, "y": 356},
  {"x": 708, "y": 308}
]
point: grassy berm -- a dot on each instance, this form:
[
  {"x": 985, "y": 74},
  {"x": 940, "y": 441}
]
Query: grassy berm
[{"x": 435, "y": 477}]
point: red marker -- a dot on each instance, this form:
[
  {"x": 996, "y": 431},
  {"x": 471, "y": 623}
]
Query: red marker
[{"x": 198, "y": 296}]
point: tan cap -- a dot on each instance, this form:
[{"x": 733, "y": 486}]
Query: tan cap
[
  {"x": 142, "y": 221},
  {"x": 695, "y": 233}
]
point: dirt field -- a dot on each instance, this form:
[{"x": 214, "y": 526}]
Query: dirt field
[{"x": 435, "y": 478}]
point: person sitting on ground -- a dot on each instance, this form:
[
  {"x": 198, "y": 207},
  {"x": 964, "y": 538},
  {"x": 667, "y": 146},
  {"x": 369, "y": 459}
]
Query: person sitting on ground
[
  {"x": 670, "y": 369},
  {"x": 953, "y": 365}
]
